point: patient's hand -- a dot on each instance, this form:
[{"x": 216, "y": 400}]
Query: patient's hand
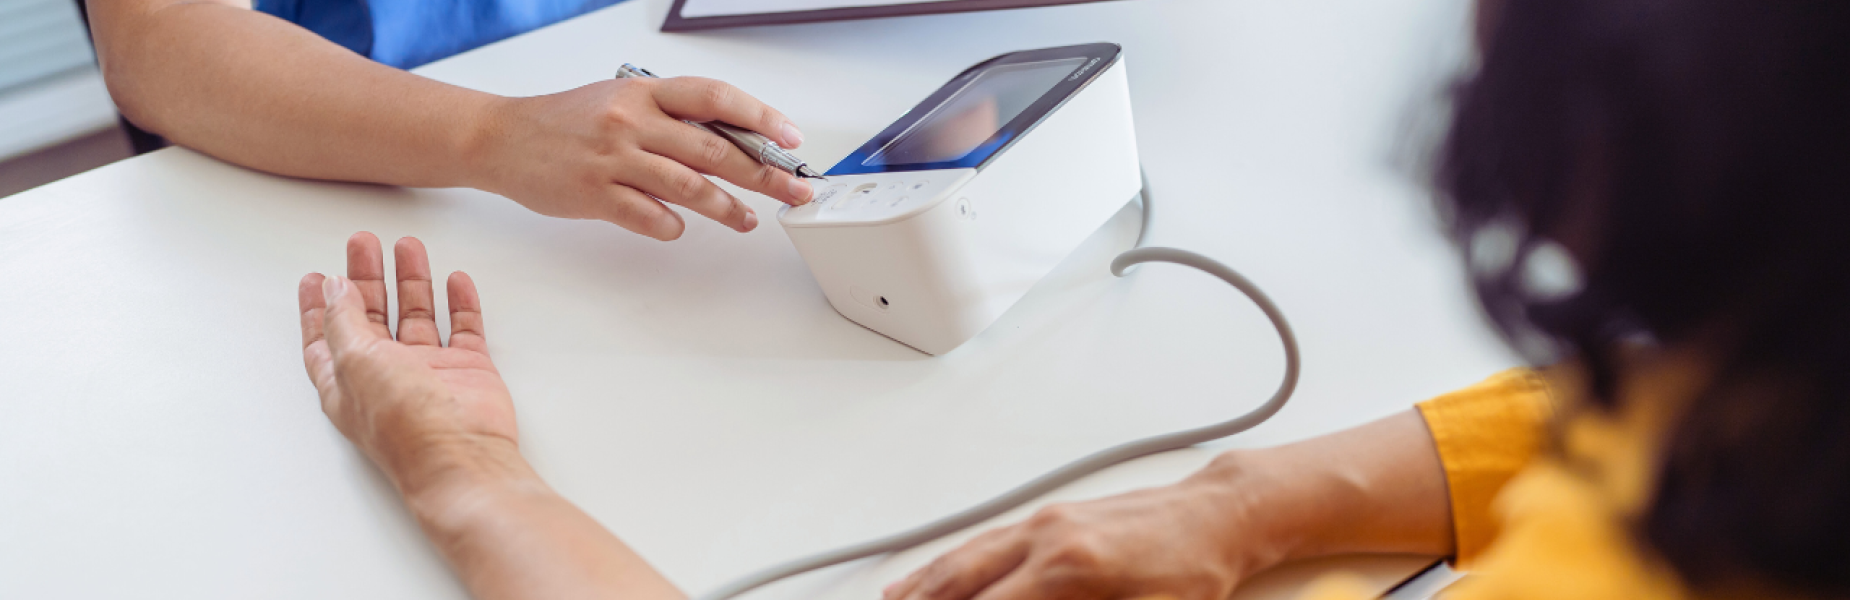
[
  {"x": 1377, "y": 488},
  {"x": 1188, "y": 541},
  {"x": 418, "y": 409},
  {"x": 440, "y": 423}
]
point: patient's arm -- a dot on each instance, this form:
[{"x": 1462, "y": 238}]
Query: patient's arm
[
  {"x": 1379, "y": 487},
  {"x": 439, "y": 422},
  {"x": 261, "y": 92}
]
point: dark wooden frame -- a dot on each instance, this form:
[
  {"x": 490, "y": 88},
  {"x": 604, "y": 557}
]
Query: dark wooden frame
[{"x": 675, "y": 23}]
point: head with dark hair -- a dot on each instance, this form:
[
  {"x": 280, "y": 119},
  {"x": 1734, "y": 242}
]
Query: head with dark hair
[{"x": 1693, "y": 159}]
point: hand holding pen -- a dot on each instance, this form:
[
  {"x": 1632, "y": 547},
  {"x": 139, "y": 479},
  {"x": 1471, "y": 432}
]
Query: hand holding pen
[
  {"x": 761, "y": 148},
  {"x": 619, "y": 151}
]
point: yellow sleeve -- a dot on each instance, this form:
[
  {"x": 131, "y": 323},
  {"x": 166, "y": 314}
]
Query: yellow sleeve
[
  {"x": 1337, "y": 586},
  {"x": 1485, "y": 434}
]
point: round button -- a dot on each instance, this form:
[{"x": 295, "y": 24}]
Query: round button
[
  {"x": 894, "y": 187},
  {"x": 898, "y": 201},
  {"x": 856, "y": 198},
  {"x": 919, "y": 185}
]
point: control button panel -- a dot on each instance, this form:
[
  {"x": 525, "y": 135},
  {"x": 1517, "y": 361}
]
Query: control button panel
[{"x": 874, "y": 196}]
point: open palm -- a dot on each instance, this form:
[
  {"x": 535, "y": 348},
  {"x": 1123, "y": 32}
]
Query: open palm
[{"x": 401, "y": 400}]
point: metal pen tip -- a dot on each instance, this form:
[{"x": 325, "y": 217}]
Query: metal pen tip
[{"x": 807, "y": 173}]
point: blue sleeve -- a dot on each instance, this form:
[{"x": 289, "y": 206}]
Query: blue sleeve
[
  {"x": 345, "y": 22},
  {"x": 408, "y": 33}
]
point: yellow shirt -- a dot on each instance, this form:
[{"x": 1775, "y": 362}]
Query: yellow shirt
[{"x": 1535, "y": 524}]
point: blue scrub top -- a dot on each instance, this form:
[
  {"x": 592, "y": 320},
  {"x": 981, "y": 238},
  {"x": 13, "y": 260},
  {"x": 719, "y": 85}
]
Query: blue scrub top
[{"x": 408, "y": 33}]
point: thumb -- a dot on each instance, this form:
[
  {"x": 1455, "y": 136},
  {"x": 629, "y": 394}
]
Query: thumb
[{"x": 345, "y": 320}]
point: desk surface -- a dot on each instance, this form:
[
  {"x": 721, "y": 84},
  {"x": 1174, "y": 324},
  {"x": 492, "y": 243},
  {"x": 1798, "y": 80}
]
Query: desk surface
[{"x": 159, "y": 439}]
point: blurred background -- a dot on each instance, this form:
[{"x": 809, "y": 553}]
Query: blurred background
[{"x": 56, "y": 119}]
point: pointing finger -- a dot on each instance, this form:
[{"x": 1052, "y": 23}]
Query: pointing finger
[
  {"x": 713, "y": 155},
  {"x": 699, "y": 99}
]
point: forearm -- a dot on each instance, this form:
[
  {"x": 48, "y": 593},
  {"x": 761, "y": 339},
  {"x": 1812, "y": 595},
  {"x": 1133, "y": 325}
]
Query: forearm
[
  {"x": 261, "y": 92},
  {"x": 509, "y": 536},
  {"x": 1379, "y": 487}
]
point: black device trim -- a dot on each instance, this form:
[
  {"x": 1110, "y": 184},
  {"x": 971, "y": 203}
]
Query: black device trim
[{"x": 1100, "y": 56}]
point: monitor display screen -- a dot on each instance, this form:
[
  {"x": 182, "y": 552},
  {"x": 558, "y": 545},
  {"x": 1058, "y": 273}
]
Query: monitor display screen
[
  {"x": 974, "y": 114},
  {"x": 979, "y": 114}
]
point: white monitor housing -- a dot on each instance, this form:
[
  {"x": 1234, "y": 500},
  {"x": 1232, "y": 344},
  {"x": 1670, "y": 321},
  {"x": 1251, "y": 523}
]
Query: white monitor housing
[{"x": 938, "y": 225}]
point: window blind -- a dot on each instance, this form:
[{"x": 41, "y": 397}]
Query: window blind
[{"x": 40, "y": 40}]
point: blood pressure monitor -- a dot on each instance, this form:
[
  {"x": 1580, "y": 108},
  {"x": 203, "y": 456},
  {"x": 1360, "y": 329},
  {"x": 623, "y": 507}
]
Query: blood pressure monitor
[
  {"x": 939, "y": 224},
  {"x": 932, "y": 229}
]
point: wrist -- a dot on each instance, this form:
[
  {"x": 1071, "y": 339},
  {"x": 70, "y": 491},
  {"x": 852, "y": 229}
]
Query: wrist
[
  {"x": 474, "y": 148},
  {"x": 457, "y": 484},
  {"x": 1271, "y": 516}
]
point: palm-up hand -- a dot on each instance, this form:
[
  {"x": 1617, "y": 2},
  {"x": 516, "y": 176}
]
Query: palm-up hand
[{"x": 414, "y": 406}]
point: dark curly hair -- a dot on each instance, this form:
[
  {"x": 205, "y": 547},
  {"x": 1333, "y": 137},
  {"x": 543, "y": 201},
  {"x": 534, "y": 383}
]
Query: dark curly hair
[{"x": 1693, "y": 159}]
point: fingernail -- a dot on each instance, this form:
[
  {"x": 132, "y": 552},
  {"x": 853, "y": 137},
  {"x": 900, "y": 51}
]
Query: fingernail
[
  {"x": 888, "y": 590},
  {"x": 751, "y": 221},
  {"x": 792, "y": 137},
  {"x": 799, "y": 190},
  {"x": 331, "y": 289}
]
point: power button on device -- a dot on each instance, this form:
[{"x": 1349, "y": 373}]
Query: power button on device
[
  {"x": 856, "y": 197},
  {"x": 965, "y": 210}
]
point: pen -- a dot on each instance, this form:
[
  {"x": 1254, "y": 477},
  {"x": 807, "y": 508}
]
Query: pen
[{"x": 758, "y": 146}]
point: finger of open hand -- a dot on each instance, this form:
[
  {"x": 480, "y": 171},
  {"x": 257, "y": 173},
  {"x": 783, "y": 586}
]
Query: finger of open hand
[
  {"x": 346, "y": 323},
  {"x": 308, "y": 297},
  {"x": 417, "y": 311},
  {"x": 966, "y": 571},
  {"x": 320, "y": 364},
  {"x": 700, "y": 100},
  {"x": 714, "y": 155},
  {"x": 315, "y": 356},
  {"x": 631, "y": 209},
  {"x": 366, "y": 271},
  {"x": 466, "y": 314},
  {"x": 674, "y": 182}
]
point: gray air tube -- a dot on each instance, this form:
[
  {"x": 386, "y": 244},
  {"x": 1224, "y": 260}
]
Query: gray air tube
[{"x": 1080, "y": 468}]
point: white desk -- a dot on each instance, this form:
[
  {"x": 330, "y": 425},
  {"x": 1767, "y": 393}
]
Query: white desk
[{"x": 159, "y": 439}]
